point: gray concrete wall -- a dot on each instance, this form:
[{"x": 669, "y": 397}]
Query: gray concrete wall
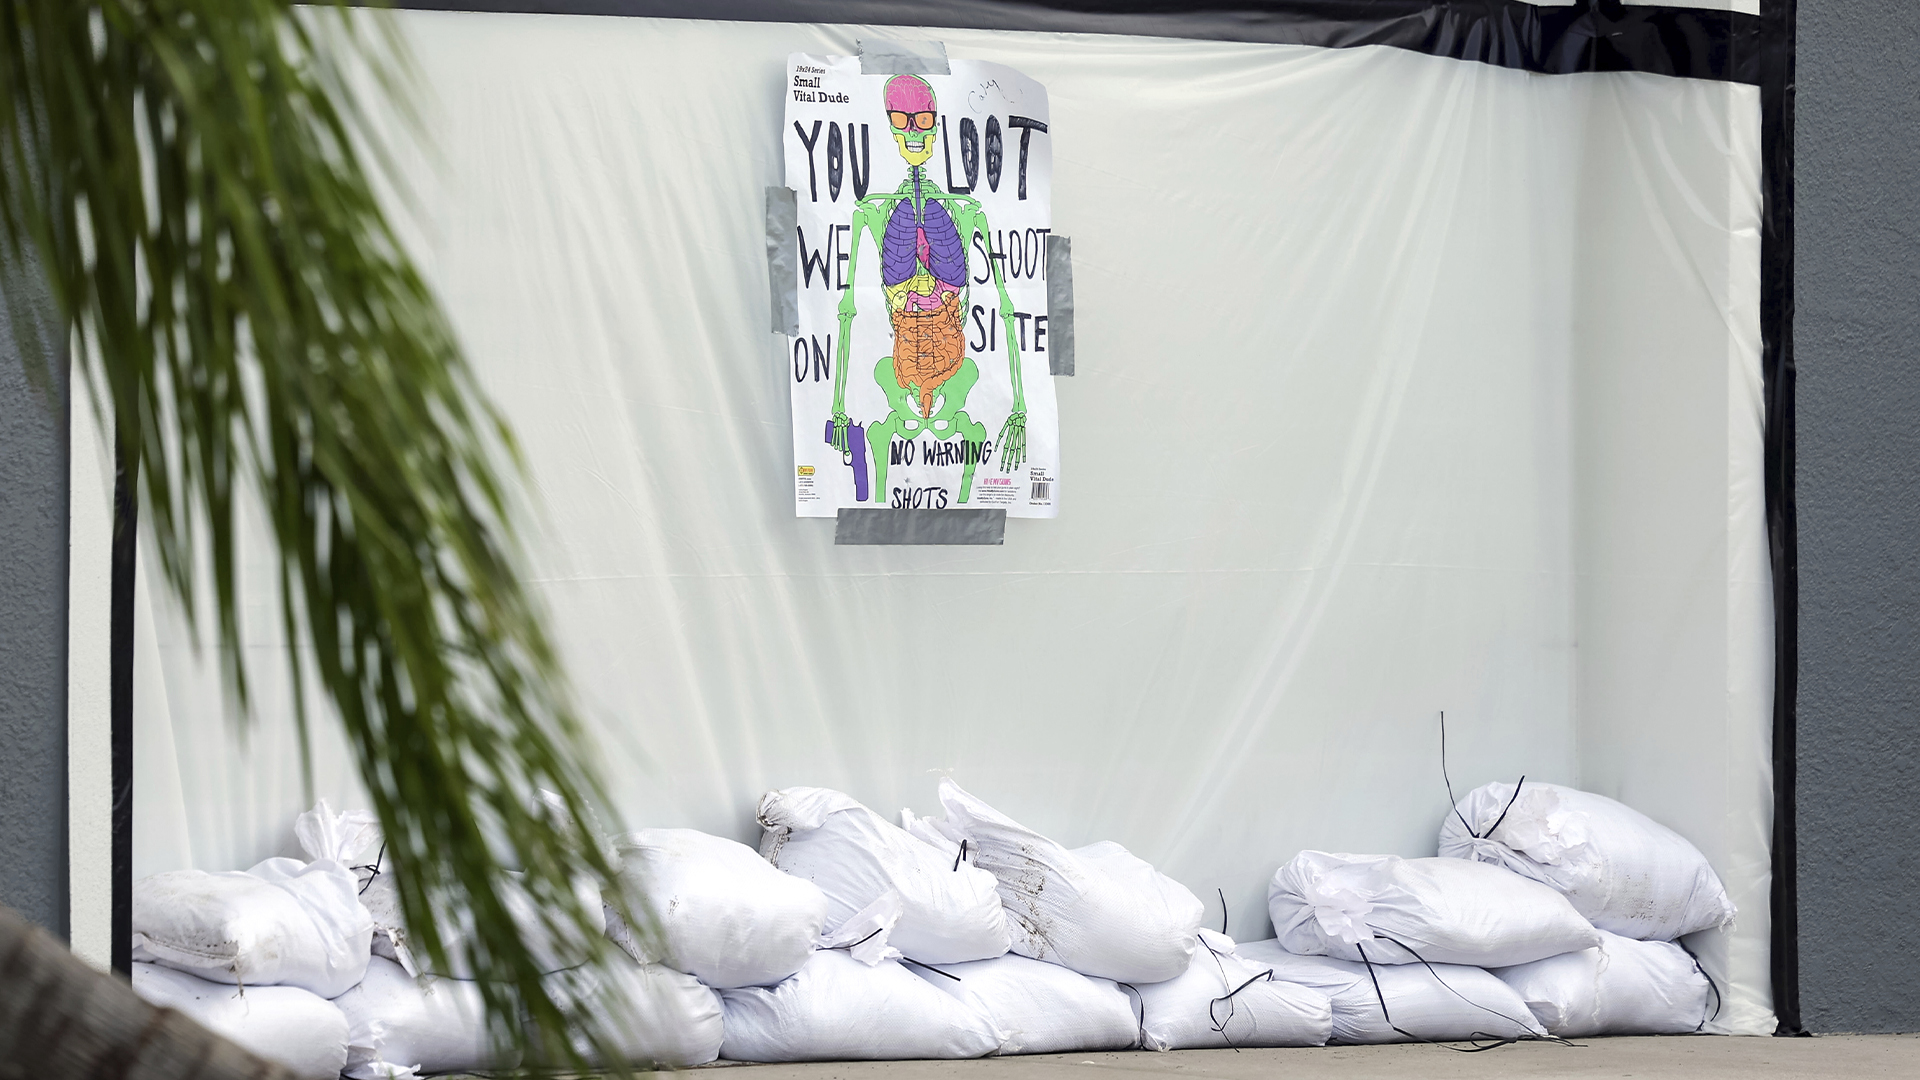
[
  {"x": 33, "y": 620},
  {"x": 1857, "y": 342}
]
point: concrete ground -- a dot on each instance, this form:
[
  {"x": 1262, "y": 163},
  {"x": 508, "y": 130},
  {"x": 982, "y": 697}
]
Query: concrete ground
[{"x": 1831, "y": 1057}]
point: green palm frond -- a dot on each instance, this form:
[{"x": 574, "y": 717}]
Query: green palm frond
[{"x": 192, "y": 178}]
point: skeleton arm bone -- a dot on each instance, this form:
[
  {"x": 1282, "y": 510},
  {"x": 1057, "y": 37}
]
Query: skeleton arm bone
[
  {"x": 862, "y": 224},
  {"x": 1012, "y": 445}
]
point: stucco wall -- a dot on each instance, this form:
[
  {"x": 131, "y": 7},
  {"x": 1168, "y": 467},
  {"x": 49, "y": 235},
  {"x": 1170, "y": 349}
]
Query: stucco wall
[
  {"x": 1857, "y": 341},
  {"x": 33, "y": 620}
]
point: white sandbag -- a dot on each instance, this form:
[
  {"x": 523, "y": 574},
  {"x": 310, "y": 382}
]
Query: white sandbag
[
  {"x": 1625, "y": 872},
  {"x": 1619, "y": 987},
  {"x": 655, "y": 1015},
  {"x": 380, "y": 896},
  {"x": 554, "y": 948},
  {"x": 1098, "y": 910},
  {"x": 351, "y": 838},
  {"x": 723, "y": 913},
  {"x": 864, "y": 935},
  {"x": 282, "y": 923},
  {"x": 295, "y": 1027},
  {"x": 839, "y": 1009},
  {"x": 1437, "y": 1003},
  {"x": 1399, "y": 911},
  {"x": 398, "y": 1025},
  {"x": 1041, "y": 1008},
  {"x": 950, "y": 909},
  {"x": 1223, "y": 1000}
]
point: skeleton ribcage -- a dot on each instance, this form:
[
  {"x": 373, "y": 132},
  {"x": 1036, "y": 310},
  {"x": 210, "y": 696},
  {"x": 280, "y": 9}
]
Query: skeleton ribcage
[{"x": 928, "y": 239}]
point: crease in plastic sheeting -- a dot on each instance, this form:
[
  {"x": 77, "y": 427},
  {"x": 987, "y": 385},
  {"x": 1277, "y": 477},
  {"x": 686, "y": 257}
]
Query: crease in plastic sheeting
[
  {"x": 783, "y": 216},
  {"x": 872, "y": 525},
  {"x": 884, "y": 57},
  {"x": 1059, "y": 304}
]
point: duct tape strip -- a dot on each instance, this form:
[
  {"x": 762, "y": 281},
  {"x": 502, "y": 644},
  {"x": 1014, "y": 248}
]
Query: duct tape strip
[
  {"x": 903, "y": 58},
  {"x": 863, "y": 525},
  {"x": 783, "y": 216},
  {"x": 1059, "y": 304}
]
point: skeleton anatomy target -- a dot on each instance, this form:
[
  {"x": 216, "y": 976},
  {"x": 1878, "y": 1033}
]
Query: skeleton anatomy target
[{"x": 920, "y": 373}]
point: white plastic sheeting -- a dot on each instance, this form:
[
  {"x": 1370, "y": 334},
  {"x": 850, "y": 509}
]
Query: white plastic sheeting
[{"x": 1404, "y": 384}]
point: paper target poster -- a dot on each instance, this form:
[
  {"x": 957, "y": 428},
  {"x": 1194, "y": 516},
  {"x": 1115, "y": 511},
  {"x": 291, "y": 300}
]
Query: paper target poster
[{"x": 920, "y": 370}]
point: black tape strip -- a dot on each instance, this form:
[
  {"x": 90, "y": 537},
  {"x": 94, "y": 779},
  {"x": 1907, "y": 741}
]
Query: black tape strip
[
  {"x": 873, "y": 525},
  {"x": 1776, "y": 366},
  {"x": 1590, "y": 35}
]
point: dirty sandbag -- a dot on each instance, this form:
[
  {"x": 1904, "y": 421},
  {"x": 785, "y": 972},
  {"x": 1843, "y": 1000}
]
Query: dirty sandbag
[
  {"x": 1098, "y": 910},
  {"x": 721, "y": 912},
  {"x": 398, "y": 1025},
  {"x": 1223, "y": 1000},
  {"x": 1619, "y": 987},
  {"x": 1398, "y": 1003},
  {"x": 1391, "y": 910},
  {"x": 839, "y": 1009},
  {"x": 950, "y": 908},
  {"x": 1041, "y": 1008},
  {"x": 655, "y": 1016},
  {"x": 1625, "y": 872},
  {"x": 282, "y": 923},
  {"x": 285, "y": 1024}
]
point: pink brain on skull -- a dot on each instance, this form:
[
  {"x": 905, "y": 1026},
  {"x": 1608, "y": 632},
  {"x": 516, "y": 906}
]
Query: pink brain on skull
[{"x": 909, "y": 93}]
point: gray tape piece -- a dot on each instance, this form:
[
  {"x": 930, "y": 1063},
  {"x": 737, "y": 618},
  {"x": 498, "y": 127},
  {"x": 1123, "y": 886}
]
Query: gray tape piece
[
  {"x": 783, "y": 215},
  {"x": 903, "y": 58},
  {"x": 864, "y": 525},
  {"x": 1059, "y": 304}
]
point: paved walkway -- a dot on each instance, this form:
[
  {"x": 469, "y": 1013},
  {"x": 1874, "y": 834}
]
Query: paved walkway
[{"x": 1702, "y": 1057}]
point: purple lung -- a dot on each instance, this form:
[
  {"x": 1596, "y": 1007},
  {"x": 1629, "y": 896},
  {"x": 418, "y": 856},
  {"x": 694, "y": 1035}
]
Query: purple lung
[{"x": 929, "y": 237}]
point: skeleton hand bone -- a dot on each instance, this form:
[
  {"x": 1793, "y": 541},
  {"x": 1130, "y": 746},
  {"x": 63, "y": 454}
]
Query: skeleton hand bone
[
  {"x": 841, "y": 422},
  {"x": 1013, "y": 442}
]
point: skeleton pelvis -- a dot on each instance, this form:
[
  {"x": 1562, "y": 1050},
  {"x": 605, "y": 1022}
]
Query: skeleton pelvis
[{"x": 928, "y": 347}]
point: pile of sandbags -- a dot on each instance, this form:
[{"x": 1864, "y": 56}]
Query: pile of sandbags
[
  {"x": 1046, "y": 949},
  {"x": 950, "y": 909},
  {"x": 286, "y": 960},
  {"x": 256, "y": 955},
  {"x": 1549, "y": 914}
]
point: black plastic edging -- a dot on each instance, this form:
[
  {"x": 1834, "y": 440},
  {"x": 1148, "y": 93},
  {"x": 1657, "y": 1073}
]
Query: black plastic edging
[
  {"x": 1776, "y": 336},
  {"x": 126, "y": 520},
  {"x": 1587, "y": 36},
  {"x": 1592, "y": 35}
]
